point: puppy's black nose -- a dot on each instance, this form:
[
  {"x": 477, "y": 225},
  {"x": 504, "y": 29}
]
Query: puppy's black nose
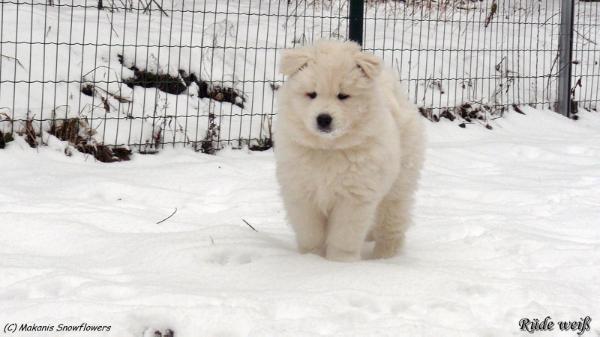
[{"x": 324, "y": 121}]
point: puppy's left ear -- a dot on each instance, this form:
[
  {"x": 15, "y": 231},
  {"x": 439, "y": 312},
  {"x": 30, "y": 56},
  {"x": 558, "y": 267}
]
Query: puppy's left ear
[
  {"x": 293, "y": 60},
  {"x": 369, "y": 64}
]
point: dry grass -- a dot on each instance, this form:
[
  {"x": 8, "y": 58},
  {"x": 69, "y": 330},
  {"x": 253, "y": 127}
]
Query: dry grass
[
  {"x": 28, "y": 132},
  {"x": 71, "y": 130}
]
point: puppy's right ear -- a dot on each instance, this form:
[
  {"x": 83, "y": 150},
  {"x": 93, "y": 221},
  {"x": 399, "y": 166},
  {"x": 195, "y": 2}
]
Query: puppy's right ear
[
  {"x": 369, "y": 64},
  {"x": 293, "y": 60}
]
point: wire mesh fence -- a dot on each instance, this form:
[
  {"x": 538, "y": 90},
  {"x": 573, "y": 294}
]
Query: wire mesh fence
[
  {"x": 470, "y": 58},
  {"x": 119, "y": 75},
  {"x": 586, "y": 55}
]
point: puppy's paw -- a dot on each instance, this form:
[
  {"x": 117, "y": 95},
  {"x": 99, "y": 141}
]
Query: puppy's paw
[
  {"x": 311, "y": 244},
  {"x": 387, "y": 248},
  {"x": 318, "y": 249},
  {"x": 339, "y": 255}
]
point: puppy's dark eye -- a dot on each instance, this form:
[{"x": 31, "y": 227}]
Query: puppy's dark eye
[
  {"x": 311, "y": 95},
  {"x": 342, "y": 97}
]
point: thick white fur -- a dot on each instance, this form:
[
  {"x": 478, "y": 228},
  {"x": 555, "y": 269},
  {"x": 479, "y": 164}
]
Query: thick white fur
[{"x": 358, "y": 180}]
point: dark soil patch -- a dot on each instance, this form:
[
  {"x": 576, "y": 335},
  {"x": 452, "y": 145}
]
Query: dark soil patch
[
  {"x": 466, "y": 113},
  {"x": 5, "y": 138},
  {"x": 177, "y": 85},
  {"x": 165, "y": 333},
  {"x": 162, "y": 82},
  {"x": 88, "y": 90},
  {"x": 262, "y": 145}
]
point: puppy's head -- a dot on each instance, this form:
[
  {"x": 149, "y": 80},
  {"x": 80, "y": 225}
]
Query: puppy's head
[{"x": 330, "y": 93}]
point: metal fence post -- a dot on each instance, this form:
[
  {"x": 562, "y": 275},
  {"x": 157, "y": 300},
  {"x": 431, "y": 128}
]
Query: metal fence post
[
  {"x": 355, "y": 26},
  {"x": 565, "y": 57}
]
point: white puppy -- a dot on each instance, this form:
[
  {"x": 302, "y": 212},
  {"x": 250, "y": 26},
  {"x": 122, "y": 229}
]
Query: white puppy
[{"x": 349, "y": 148}]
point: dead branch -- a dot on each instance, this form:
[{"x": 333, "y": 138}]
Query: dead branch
[{"x": 167, "y": 218}]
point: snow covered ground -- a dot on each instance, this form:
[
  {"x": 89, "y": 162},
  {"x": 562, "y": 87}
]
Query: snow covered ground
[{"x": 507, "y": 227}]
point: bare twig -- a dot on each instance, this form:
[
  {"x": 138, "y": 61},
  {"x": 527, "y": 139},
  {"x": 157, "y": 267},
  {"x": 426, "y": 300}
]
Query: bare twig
[
  {"x": 249, "y": 225},
  {"x": 550, "y": 74},
  {"x": 584, "y": 37},
  {"x": 167, "y": 218},
  {"x": 14, "y": 59},
  {"x": 99, "y": 67},
  {"x": 490, "y": 16},
  {"x": 111, "y": 25},
  {"x": 96, "y": 90},
  {"x": 5, "y": 115},
  {"x": 550, "y": 18},
  {"x": 159, "y": 7}
]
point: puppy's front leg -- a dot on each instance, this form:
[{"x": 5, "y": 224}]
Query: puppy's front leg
[
  {"x": 348, "y": 225},
  {"x": 308, "y": 223}
]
